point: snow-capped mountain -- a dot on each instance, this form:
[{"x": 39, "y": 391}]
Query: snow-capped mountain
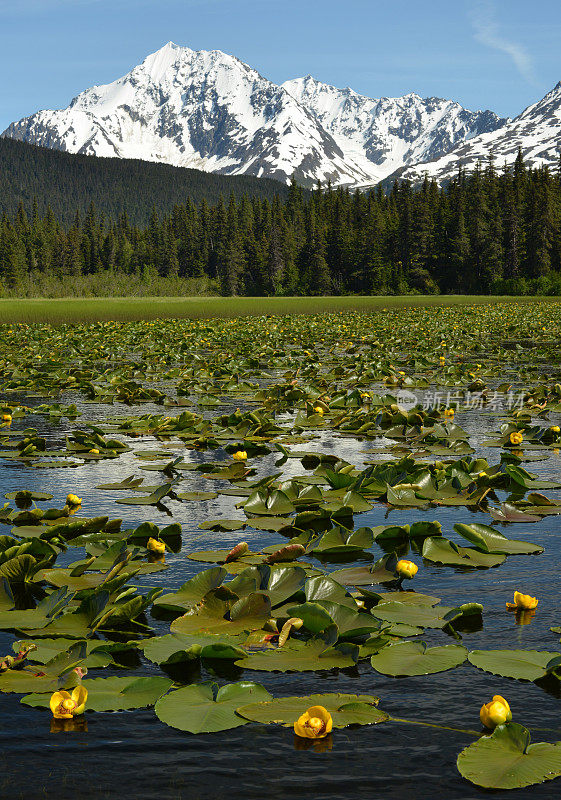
[
  {"x": 210, "y": 111},
  {"x": 537, "y": 131},
  {"x": 199, "y": 109},
  {"x": 382, "y": 135}
]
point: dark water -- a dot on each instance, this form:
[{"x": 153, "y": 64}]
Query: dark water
[{"x": 132, "y": 754}]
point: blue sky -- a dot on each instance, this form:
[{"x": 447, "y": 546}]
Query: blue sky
[{"x": 498, "y": 54}]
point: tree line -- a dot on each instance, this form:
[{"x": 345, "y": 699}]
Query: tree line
[
  {"x": 490, "y": 231},
  {"x": 67, "y": 182}
]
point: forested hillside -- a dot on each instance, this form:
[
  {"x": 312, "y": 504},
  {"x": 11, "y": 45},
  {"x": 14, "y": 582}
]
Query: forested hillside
[
  {"x": 487, "y": 232},
  {"x": 67, "y": 183}
]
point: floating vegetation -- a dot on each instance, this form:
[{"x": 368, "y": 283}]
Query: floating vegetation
[{"x": 258, "y": 418}]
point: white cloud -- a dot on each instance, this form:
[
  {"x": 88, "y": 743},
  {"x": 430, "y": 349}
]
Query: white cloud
[{"x": 487, "y": 32}]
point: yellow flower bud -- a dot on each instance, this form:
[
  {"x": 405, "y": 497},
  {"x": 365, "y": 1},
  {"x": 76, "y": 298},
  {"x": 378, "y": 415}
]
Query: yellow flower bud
[
  {"x": 73, "y": 500},
  {"x": 155, "y": 545},
  {"x": 240, "y": 455},
  {"x": 318, "y": 410},
  {"x": 95, "y": 451},
  {"x": 524, "y": 601},
  {"x": 406, "y": 569},
  {"x": 495, "y": 712},
  {"x": 555, "y": 429}
]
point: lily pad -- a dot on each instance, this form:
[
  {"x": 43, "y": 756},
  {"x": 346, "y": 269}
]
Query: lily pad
[
  {"x": 345, "y": 709},
  {"x": 147, "y": 500},
  {"x": 443, "y": 551},
  {"x": 415, "y": 658},
  {"x": 298, "y": 656},
  {"x": 176, "y": 647},
  {"x": 204, "y": 708},
  {"x": 527, "y": 665},
  {"x": 492, "y": 541},
  {"x": 114, "y": 694},
  {"x": 507, "y": 760}
]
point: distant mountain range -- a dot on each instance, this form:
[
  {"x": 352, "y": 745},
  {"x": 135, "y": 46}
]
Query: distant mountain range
[
  {"x": 536, "y": 131},
  {"x": 209, "y": 111}
]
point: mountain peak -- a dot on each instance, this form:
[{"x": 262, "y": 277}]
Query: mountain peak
[
  {"x": 536, "y": 132},
  {"x": 209, "y": 110},
  {"x": 388, "y": 133},
  {"x": 157, "y": 64}
]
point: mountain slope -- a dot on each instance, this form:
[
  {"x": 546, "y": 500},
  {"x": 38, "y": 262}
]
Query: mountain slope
[
  {"x": 382, "y": 135},
  {"x": 199, "y": 109},
  {"x": 68, "y": 182},
  {"x": 537, "y": 131}
]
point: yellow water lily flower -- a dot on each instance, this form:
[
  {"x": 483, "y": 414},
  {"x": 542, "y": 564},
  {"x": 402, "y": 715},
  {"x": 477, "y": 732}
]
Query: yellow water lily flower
[
  {"x": 406, "y": 569},
  {"x": 65, "y": 705},
  {"x": 442, "y": 360},
  {"x": 239, "y": 455},
  {"x": 155, "y": 545},
  {"x": 73, "y": 500},
  {"x": 555, "y": 429},
  {"x": 95, "y": 451},
  {"x": 315, "y": 723},
  {"x": 516, "y": 437},
  {"x": 6, "y": 417},
  {"x": 318, "y": 410},
  {"x": 495, "y": 712},
  {"x": 449, "y": 412},
  {"x": 524, "y": 601}
]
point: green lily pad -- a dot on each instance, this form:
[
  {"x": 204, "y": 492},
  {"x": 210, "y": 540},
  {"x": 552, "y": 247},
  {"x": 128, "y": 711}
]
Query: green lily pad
[
  {"x": 175, "y": 647},
  {"x": 213, "y": 616},
  {"x": 319, "y": 616},
  {"x": 383, "y": 571},
  {"x": 148, "y": 500},
  {"x": 507, "y": 760},
  {"x": 345, "y": 709},
  {"x": 97, "y": 653},
  {"x": 298, "y": 656},
  {"x": 204, "y": 708},
  {"x": 114, "y": 694},
  {"x": 527, "y": 665},
  {"x": 492, "y": 541},
  {"x": 197, "y": 496},
  {"x": 422, "y": 616},
  {"x": 193, "y": 591},
  {"x": 415, "y": 658},
  {"x": 443, "y": 551},
  {"x": 262, "y": 503},
  {"x": 222, "y": 525}
]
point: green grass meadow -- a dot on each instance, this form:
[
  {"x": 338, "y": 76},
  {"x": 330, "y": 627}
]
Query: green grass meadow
[{"x": 73, "y": 310}]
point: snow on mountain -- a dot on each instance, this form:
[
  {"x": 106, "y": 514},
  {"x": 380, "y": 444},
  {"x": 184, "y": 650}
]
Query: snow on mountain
[
  {"x": 382, "y": 135},
  {"x": 199, "y": 109},
  {"x": 537, "y": 131},
  {"x": 210, "y": 111}
]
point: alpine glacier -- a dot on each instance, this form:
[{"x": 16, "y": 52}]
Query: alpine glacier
[{"x": 210, "y": 111}]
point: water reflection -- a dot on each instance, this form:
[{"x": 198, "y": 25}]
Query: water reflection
[{"x": 132, "y": 753}]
